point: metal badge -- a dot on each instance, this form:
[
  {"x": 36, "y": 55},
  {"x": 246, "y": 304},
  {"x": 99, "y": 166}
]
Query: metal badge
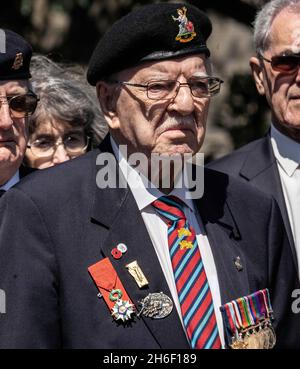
[
  {"x": 18, "y": 62},
  {"x": 156, "y": 306},
  {"x": 238, "y": 264},
  {"x": 122, "y": 248},
  {"x": 137, "y": 273}
]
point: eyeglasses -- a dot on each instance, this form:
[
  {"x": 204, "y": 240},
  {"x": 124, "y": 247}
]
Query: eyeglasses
[
  {"x": 168, "y": 89},
  {"x": 74, "y": 145},
  {"x": 284, "y": 63},
  {"x": 20, "y": 106}
]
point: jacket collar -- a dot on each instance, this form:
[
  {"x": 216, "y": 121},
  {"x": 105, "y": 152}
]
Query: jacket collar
[{"x": 259, "y": 159}]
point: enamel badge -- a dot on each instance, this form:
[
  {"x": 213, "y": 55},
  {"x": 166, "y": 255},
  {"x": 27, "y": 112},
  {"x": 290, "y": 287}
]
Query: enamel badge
[{"x": 186, "y": 28}]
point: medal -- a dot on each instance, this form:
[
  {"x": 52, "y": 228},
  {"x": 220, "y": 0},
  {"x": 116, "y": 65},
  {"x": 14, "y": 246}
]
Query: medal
[
  {"x": 248, "y": 322},
  {"x": 112, "y": 290},
  {"x": 122, "y": 310},
  {"x": 156, "y": 306}
]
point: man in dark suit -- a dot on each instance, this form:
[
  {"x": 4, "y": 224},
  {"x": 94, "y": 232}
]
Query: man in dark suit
[
  {"x": 272, "y": 162},
  {"x": 164, "y": 264},
  {"x": 17, "y": 102}
]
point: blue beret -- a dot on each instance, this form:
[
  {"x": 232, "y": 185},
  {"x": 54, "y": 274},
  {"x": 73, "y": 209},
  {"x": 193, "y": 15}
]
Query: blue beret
[
  {"x": 152, "y": 32},
  {"x": 15, "y": 55}
]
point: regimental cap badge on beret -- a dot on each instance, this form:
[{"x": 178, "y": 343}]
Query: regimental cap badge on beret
[
  {"x": 15, "y": 56},
  {"x": 186, "y": 27},
  {"x": 153, "y": 32},
  {"x": 18, "y": 62}
]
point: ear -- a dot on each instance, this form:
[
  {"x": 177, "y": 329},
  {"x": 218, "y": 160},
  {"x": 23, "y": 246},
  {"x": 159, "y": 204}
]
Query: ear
[
  {"x": 258, "y": 74},
  {"x": 107, "y": 99}
]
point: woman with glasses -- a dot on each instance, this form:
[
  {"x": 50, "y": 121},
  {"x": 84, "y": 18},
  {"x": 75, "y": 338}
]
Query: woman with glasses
[{"x": 67, "y": 121}]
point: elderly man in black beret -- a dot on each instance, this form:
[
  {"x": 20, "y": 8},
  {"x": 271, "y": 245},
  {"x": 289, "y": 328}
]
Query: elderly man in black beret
[
  {"x": 107, "y": 256},
  {"x": 17, "y": 102}
]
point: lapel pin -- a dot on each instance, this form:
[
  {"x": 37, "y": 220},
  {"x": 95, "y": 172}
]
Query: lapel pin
[
  {"x": 238, "y": 264},
  {"x": 137, "y": 273},
  {"x": 122, "y": 248},
  {"x": 116, "y": 254}
]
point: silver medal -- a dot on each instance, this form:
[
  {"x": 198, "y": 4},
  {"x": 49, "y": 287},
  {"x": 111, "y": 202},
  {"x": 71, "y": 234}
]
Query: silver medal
[{"x": 156, "y": 306}]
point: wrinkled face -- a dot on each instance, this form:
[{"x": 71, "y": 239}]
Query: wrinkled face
[
  {"x": 149, "y": 126},
  {"x": 283, "y": 89},
  {"x": 47, "y": 144},
  {"x": 13, "y": 133}
]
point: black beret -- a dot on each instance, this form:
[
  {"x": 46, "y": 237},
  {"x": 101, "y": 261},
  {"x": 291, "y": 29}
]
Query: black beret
[
  {"x": 152, "y": 32},
  {"x": 15, "y": 55}
]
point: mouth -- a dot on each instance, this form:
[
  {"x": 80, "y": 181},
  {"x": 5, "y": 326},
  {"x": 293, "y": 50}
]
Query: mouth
[
  {"x": 176, "y": 129},
  {"x": 9, "y": 141}
]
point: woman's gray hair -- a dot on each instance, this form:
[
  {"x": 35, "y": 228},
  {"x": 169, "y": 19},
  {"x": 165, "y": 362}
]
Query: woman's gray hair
[
  {"x": 65, "y": 97},
  {"x": 264, "y": 19}
]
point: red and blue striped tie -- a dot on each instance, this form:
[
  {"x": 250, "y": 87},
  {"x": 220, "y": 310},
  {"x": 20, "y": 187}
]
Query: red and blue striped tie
[{"x": 191, "y": 282}]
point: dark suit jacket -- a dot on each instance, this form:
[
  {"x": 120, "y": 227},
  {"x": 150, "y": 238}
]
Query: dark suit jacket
[
  {"x": 256, "y": 164},
  {"x": 24, "y": 171},
  {"x": 57, "y": 223}
]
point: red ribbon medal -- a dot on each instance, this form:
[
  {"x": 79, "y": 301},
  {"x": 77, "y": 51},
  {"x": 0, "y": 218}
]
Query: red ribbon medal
[{"x": 112, "y": 289}]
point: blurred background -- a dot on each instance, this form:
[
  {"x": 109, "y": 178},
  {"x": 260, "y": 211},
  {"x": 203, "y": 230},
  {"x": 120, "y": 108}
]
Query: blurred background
[{"x": 68, "y": 30}]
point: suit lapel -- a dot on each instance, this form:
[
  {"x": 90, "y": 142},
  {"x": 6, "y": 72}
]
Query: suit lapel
[
  {"x": 223, "y": 235},
  {"x": 117, "y": 211},
  {"x": 260, "y": 169}
]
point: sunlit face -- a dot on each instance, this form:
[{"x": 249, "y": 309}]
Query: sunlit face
[
  {"x": 165, "y": 127},
  {"x": 13, "y": 134},
  {"x": 283, "y": 89},
  {"x": 53, "y": 133}
]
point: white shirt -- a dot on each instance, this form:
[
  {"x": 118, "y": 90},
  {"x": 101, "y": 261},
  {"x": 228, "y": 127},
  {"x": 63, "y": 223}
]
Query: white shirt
[
  {"x": 158, "y": 232},
  {"x": 14, "y": 180},
  {"x": 287, "y": 154}
]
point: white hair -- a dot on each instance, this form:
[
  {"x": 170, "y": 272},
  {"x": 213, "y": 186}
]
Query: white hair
[{"x": 264, "y": 19}]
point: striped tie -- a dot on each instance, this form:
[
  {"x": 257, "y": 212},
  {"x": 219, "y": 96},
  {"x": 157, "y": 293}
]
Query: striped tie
[{"x": 191, "y": 282}]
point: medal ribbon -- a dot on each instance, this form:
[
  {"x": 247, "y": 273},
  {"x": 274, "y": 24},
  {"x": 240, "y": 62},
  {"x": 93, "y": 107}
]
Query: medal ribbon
[{"x": 246, "y": 312}]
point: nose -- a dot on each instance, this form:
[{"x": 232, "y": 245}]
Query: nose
[
  {"x": 184, "y": 102},
  {"x": 60, "y": 155},
  {"x": 5, "y": 119}
]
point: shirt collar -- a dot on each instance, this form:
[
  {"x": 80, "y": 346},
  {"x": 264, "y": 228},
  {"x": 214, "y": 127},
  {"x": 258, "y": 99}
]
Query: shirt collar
[
  {"x": 143, "y": 190},
  {"x": 15, "y": 179},
  {"x": 286, "y": 151}
]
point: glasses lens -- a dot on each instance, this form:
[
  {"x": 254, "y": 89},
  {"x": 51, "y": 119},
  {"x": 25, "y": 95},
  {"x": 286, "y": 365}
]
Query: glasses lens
[
  {"x": 22, "y": 105},
  {"x": 285, "y": 63},
  {"x": 75, "y": 143},
  {"x": 42, "y": 147},
  {"x": 200, "y": 87},
  {"x": 205, "y": 87},
  {"x": 158, "y": 90}
]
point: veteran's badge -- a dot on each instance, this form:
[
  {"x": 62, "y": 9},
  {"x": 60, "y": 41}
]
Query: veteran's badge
[
  {"x": 248, "y": 322},
  {"x": 186, "y": 28}
]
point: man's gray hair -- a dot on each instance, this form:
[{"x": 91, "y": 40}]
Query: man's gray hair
[
  {"x": 65, "y": 97},
  {"x": 264, "y": 19}
]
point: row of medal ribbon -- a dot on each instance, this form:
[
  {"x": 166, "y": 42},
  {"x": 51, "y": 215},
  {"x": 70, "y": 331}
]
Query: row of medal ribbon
[{"x": 248, "y": 321}]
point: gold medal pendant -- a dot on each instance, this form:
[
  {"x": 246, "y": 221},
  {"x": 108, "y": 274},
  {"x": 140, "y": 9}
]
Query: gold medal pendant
[
  {"x": 238, "y": 344},
  {"x": 253, "y": 341}
]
